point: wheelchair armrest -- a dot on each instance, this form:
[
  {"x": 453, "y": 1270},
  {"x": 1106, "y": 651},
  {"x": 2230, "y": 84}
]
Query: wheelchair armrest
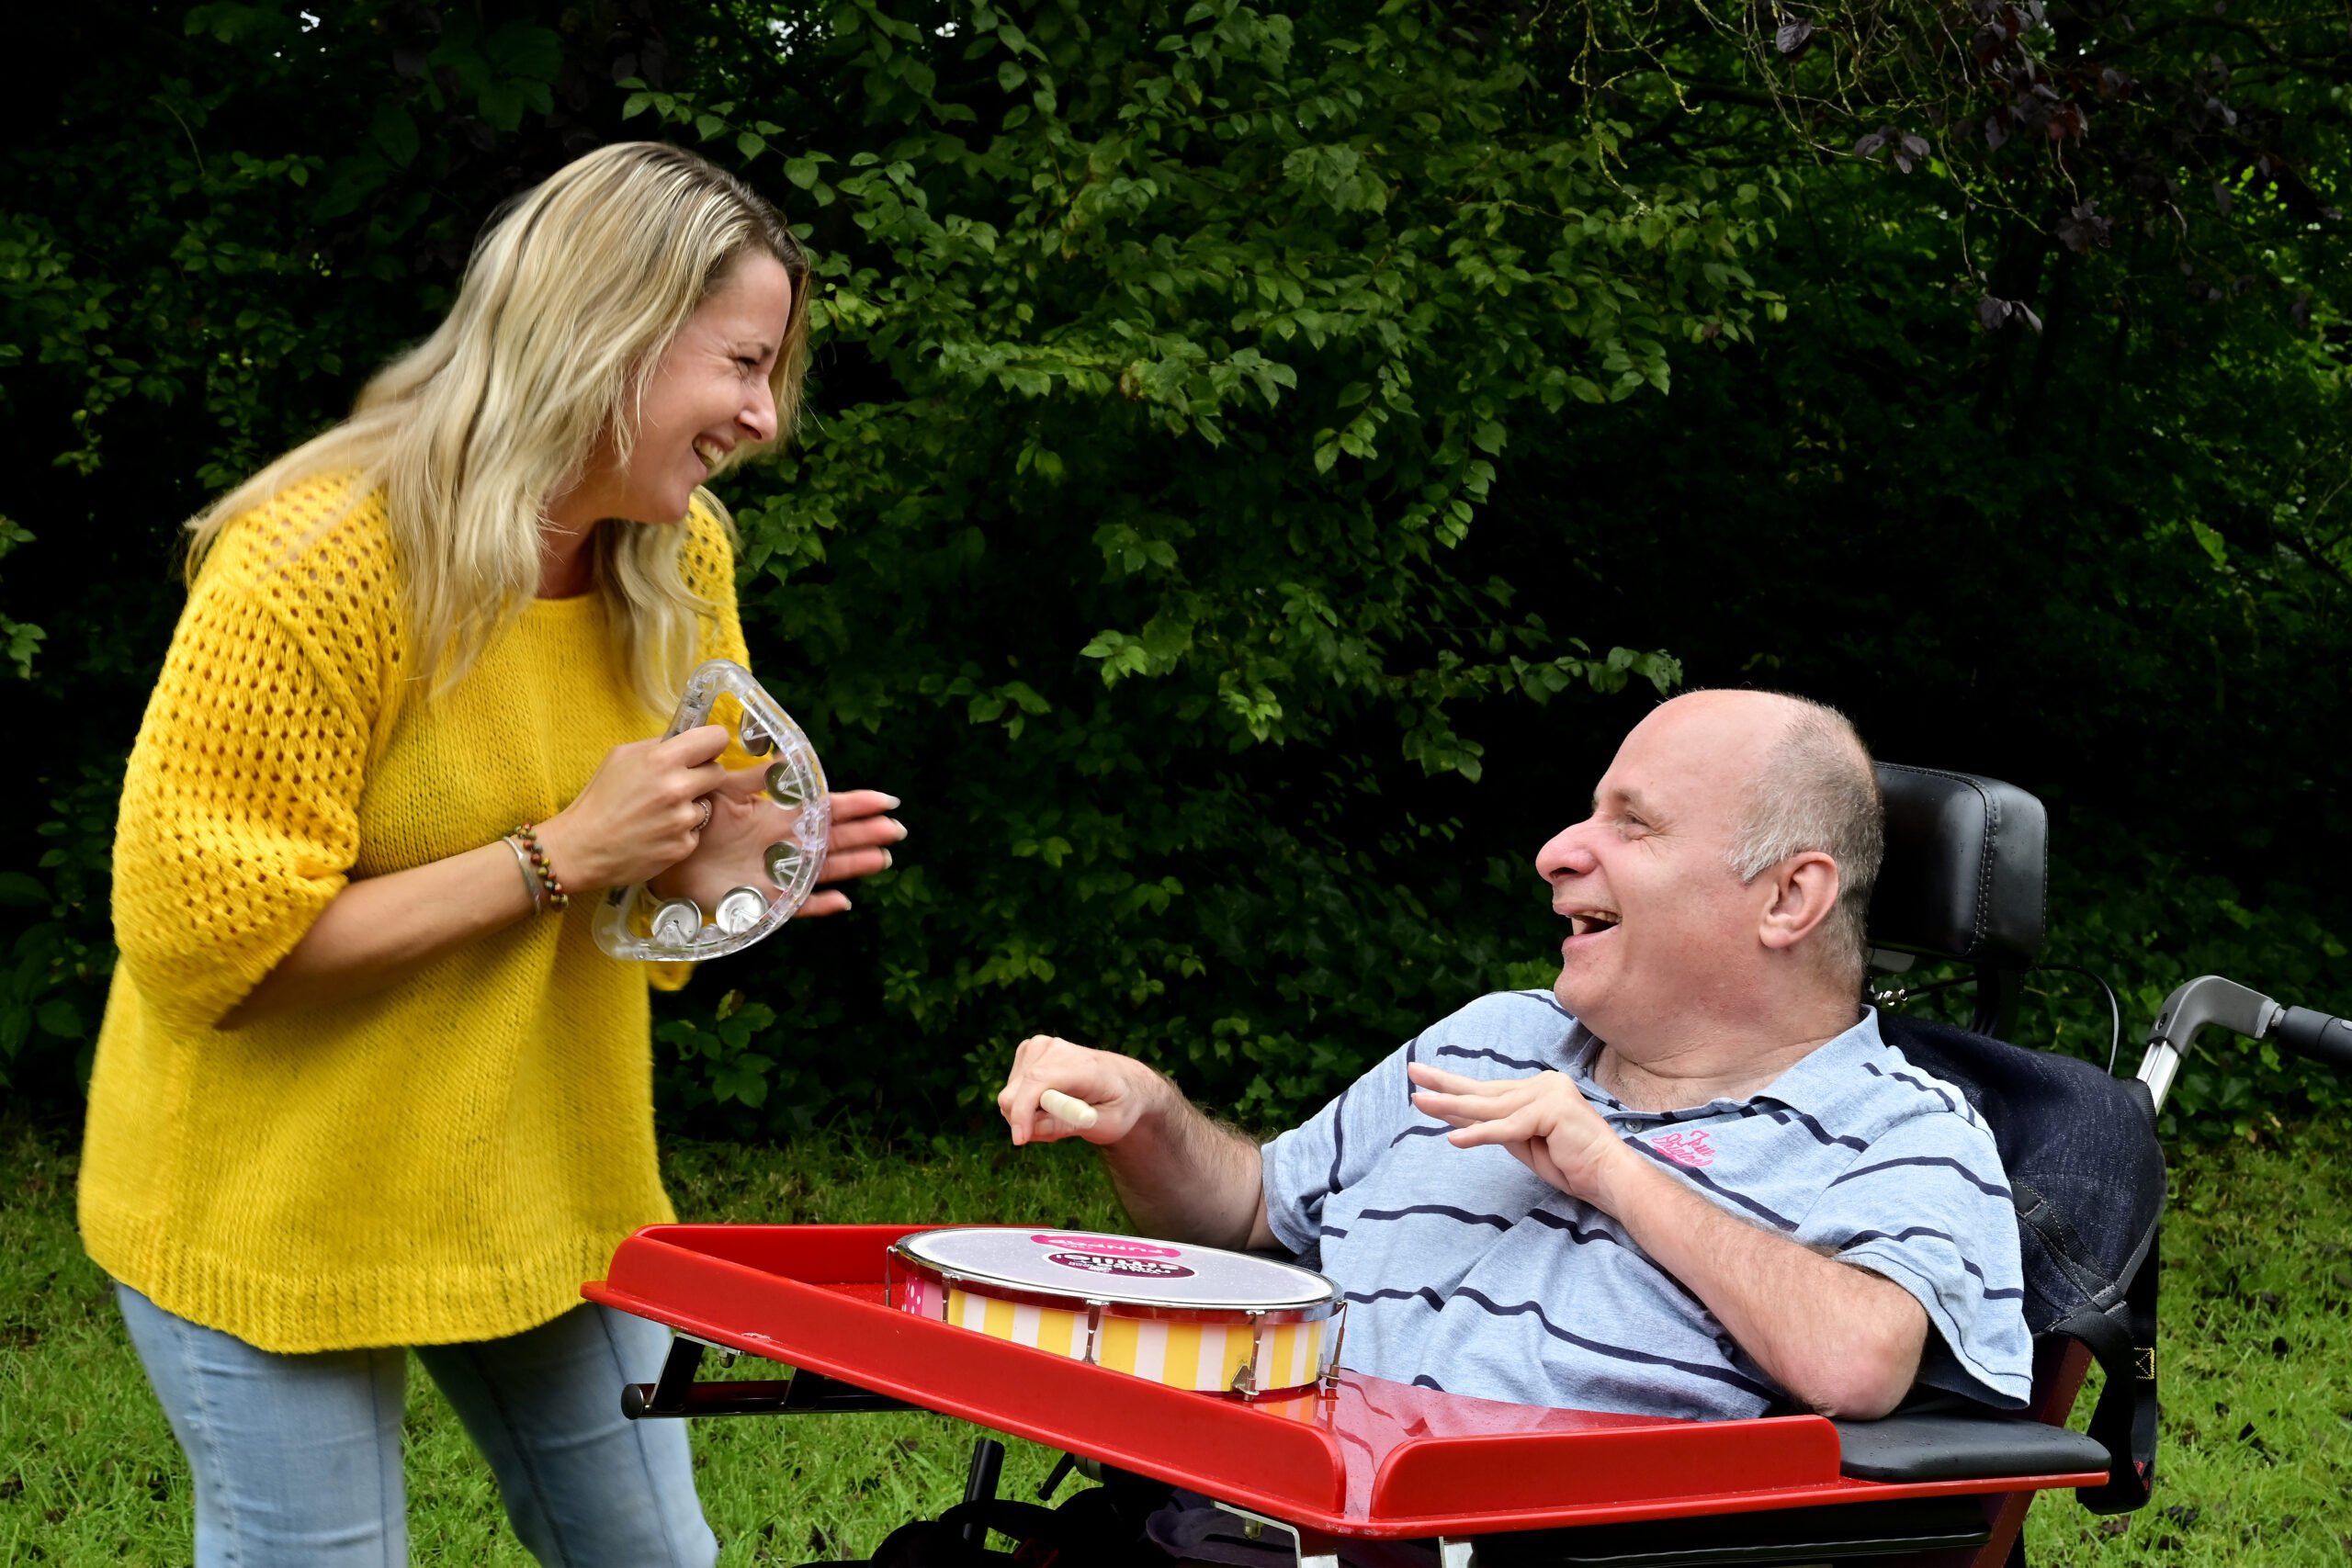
[{"x": 1944, "y": 1446}]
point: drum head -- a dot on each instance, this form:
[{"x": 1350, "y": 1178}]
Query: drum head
[
  {"x": 760, "y": 853},
  {"x": 1091, "y": 1265}
]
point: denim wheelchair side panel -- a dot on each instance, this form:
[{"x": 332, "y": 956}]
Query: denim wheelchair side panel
[{"x": 2081, "y": 1154}]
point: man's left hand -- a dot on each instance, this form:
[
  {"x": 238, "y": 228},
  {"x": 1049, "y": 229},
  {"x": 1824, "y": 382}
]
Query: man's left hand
[
  {"x": 1843, "y": 1341},
  {"x": 1545, "y": 1123}
]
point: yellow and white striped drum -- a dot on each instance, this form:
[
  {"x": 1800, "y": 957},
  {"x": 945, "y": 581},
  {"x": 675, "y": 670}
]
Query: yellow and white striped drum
[{"x": 1192, "y": 1317}]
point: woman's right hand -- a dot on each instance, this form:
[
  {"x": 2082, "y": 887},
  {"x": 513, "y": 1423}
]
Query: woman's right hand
[{"x": 639, "y": 814}]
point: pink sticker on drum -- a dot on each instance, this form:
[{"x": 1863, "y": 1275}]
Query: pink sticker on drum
[
  {"x": 1125, "y": 1268},
  {"x": 1115, "y": 1245}
]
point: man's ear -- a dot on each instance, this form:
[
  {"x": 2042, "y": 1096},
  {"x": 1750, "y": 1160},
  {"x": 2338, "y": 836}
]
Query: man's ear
[{"x": 1805, "y": 890}]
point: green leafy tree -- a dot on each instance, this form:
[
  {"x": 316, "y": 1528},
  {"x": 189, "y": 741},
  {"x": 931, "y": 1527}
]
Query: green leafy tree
[
  {"x": 1166, "y": 359},
  {"x": 202, "y": 253},
  {"x": 2046, "y": 480},
  {"x": 1261, "y": 459}
]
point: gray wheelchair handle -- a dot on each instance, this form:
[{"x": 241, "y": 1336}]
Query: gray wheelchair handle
[{"x": 2210, "y": 999}]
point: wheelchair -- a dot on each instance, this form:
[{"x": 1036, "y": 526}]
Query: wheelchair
[{"x": 1940, "y": 1484}]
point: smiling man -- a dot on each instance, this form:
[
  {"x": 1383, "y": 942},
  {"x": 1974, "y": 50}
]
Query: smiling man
[{"x": 1689, "y": 1180}]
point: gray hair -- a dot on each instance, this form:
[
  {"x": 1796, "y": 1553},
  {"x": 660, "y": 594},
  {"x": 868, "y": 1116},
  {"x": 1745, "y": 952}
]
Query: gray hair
[{"x": 1818, "y": 792}]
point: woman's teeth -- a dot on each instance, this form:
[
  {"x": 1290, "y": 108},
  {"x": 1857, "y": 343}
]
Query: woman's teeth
[{"x": 710, "y": 452}]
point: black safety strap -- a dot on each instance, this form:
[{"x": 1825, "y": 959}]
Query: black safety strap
[
  {"x": 2101, "y": 1291},
  {"x": 2117, "y": 1321},
  {"x": 2124, "y": 1421}
]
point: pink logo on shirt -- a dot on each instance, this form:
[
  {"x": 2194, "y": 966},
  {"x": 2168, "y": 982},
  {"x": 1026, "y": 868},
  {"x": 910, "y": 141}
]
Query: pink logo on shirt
[{"x": 1685, "y": 1148}]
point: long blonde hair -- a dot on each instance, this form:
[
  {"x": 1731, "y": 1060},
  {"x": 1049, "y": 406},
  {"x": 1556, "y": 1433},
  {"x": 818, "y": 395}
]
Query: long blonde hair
[{"x": 573, "y": 291}]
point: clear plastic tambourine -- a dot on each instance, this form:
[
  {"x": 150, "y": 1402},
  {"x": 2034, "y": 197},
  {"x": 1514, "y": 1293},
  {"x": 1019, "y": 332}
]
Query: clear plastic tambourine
[{"x": 762, "y": 849}]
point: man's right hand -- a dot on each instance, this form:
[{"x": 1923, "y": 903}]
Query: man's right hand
[
  {"x": 1180, "y": 1176},
  {"x": 1121, "y": 1090}
]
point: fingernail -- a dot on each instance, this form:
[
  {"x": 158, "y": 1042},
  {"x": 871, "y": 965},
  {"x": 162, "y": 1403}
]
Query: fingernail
[
  {"x": 885, "y": 859},
  {"x": 889, "y": 802}
]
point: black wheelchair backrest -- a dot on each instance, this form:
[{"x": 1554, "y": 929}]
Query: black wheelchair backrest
[{"x": 1967, "y": 861}]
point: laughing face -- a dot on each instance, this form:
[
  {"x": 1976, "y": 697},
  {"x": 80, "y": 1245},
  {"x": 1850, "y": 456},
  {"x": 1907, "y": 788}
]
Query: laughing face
[
  {"x": 1661, "y": 929},
  {"x": 708, "y": 392}
]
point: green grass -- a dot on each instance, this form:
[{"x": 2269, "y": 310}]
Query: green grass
[
  {"x": 2253, "y": 1346},
  {"x": 2256, "y": 1462}
]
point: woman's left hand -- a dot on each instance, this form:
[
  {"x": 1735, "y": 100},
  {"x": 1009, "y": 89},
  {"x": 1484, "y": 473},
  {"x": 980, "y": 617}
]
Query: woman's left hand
[
  {"x": 859, "y": 845},
  {"x": 743, "y": 820}
]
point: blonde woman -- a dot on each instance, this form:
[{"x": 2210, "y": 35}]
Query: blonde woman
[{"x": 364, "y": 1085}]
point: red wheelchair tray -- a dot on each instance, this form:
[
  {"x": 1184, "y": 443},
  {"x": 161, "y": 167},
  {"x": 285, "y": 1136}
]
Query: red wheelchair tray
[{"x": 1367, "y": 1458}]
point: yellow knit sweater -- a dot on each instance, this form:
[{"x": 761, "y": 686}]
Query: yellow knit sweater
[{"x": 444, "y": 1160}]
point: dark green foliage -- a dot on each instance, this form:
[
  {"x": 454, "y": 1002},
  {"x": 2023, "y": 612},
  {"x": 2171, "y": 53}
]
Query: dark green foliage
[
  {"x": 203, "y": 251},
  {"x": 1182, "y": 354},
  {"x": 1231, "y": 428}
]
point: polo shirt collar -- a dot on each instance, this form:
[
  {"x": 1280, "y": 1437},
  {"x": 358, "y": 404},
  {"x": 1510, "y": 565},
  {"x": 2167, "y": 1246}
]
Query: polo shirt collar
[
  {"x": 1810, "y": 1084},
  {"x": 1825, "y": 1074}
]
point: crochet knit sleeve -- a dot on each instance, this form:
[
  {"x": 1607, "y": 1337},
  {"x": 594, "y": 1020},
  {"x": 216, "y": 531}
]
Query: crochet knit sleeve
[{"x": 240, "y": 806}]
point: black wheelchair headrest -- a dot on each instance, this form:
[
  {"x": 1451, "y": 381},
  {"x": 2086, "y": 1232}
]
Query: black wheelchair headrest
[{"x": 1967, "y": 860}]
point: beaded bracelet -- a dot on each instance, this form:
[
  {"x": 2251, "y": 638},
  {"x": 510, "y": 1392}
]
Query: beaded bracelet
[{"x": 527, "y": 836}]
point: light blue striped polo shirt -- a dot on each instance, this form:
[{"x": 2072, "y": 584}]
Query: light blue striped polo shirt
[{"x": 1466, "y": 1271}]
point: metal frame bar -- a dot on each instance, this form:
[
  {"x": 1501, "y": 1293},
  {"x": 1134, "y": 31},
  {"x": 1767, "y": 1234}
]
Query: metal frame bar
[{"x": 677, "y": 1395}]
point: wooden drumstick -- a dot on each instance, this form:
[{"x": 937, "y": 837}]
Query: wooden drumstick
[{"x": 1067, "y": 1109}]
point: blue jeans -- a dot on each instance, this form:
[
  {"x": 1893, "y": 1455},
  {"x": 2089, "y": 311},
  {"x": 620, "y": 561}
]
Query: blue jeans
[{"x": 296, "y": 1458}]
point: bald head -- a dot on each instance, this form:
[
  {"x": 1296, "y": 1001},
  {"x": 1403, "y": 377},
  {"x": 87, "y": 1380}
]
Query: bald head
[{"x": 1736, "y": 732}]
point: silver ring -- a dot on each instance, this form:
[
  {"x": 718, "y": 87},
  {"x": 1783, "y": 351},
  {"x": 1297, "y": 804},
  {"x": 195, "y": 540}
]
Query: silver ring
[{"x": 705, "y": 804}]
